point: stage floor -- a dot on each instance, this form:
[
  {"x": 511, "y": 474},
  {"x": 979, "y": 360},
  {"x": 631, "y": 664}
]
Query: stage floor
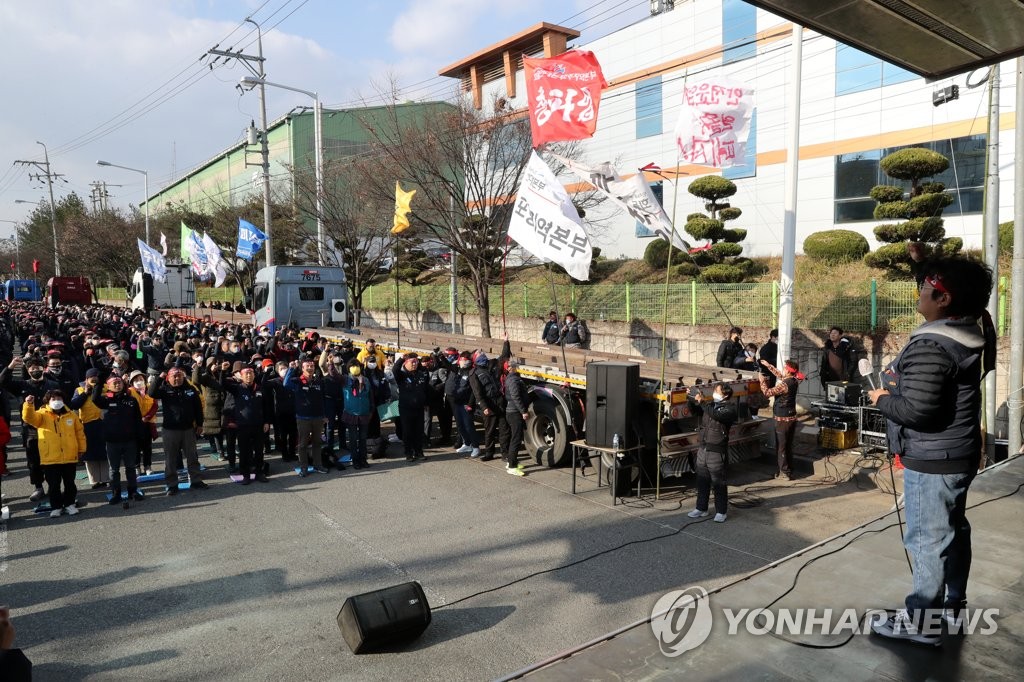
[{"x": 865, "y": 569}]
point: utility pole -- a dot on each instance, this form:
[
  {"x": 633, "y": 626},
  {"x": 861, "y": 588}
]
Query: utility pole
[
  {"x": 45, "y": 168},
  {"x": 260, "y": 73}
]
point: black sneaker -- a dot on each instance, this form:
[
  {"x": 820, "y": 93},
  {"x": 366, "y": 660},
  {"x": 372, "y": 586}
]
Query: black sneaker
[
  {"x": 137, "y": 496},
  {"x": 262, "y": 479},
  {"x": 172, "y": 491},
  {"x": 114, "y": 499},
  {"x": 202, "y": 485},
  {"x": 302, "y": 472}
]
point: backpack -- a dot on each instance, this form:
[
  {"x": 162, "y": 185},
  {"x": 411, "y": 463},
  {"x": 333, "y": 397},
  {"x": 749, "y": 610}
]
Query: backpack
[{"x": 584, "y": 333}]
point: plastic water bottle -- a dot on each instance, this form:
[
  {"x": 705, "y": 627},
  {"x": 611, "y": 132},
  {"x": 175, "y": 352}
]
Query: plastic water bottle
[{"x": 616, "y": 443}]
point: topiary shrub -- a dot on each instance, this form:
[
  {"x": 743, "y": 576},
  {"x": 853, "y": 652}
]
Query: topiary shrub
[
  {"x": 710, "y": 227},
  {"x": 686, "y": 270},
  {"x": 836, "y": 246},
  {"x": 886, "y": 193},
  {"x": 724, "y": 250},
  {"x": 656, "y": 254},
  {"x": 921, "y": 211},
  {"x": 721, "y": 273}
]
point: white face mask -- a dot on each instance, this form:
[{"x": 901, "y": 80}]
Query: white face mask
[
  {"x": 139, "y": 385},
  {"x": 56, "y": 405},
  {"x": 717, "y": 397}
]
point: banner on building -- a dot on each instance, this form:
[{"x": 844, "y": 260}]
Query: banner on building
[
  {"x": 545, "y": 222},
  {"x": 153, "y": 262},
  {"x": 633, "y": 196},
  {"x": 714, "y": 123},
  {"x": 564, "y": 94},
  {"x": 250, "y": 239}
]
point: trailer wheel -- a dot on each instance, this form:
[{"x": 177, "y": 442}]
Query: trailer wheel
[{"x": 547, "y": 432}]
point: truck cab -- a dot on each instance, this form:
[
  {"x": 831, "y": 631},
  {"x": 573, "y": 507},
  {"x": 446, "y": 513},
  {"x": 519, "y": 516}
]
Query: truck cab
[
  {"x": 305, "y": 295},
  {"x": 68, "y": 291}
]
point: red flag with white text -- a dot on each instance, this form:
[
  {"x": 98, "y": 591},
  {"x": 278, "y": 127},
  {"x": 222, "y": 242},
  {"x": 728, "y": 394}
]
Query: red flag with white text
[{"x": 564, "y": 94}]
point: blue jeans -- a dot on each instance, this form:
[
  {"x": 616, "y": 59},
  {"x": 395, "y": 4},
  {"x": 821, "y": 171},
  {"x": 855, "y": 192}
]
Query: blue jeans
[
  {"x": 938, "y": 537},
  {"x": 464, "y": 422}
]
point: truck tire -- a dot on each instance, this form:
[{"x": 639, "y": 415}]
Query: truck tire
[{"x": 547, "y": 432}]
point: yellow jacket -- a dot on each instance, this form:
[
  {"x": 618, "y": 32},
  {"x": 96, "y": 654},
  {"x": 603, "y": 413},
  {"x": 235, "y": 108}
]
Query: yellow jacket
[
  {"x": 377, "y": 352},
  {"x": 61, "y": 437},
  {"x": 88, "y": 412},
  {"x": 146, "y": 404}
]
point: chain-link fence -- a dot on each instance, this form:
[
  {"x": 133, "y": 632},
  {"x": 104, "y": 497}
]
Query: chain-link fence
[{"x": 857, "y": 307}]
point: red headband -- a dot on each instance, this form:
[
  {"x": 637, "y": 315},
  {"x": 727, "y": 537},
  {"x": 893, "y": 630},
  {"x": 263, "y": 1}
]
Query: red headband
[{"x": 936, "y": 282}]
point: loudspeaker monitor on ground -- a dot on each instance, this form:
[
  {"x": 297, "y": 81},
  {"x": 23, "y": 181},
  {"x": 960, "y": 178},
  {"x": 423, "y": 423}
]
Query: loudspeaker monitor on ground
[{"x": 386, "y": 617}]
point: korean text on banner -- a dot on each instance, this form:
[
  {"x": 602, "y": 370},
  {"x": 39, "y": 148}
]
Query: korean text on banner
[
  {"x": 152, "y": 262},
  {"x": 633, "y": 196},
  {"x": 250, "y": 239},
  {"x": 564, "y": 94},
  {"x": 545, "y": 222},
  {"x": 714, "y": 123}
]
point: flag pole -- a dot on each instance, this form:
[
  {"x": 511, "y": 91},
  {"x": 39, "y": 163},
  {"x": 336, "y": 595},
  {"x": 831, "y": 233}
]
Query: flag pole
[{"x": 664, "y": 325}]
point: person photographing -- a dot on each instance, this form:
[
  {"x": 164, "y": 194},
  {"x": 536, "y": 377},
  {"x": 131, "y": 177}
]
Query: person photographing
[{"x": 712, "y": 460}]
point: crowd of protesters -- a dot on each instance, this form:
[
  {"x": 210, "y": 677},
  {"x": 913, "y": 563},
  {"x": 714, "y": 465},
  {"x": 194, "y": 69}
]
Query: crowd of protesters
[{"x": 100, "y": 385}]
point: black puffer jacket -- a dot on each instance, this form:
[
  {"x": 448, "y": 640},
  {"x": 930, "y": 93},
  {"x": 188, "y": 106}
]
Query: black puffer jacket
[
  {"x": 934, "y": 402},
  {"x": 716, "y": 419}
]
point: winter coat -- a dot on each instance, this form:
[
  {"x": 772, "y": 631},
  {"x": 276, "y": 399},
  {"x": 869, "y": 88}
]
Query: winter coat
[
  {"x": 934, "y": 403},
  {"x": 122, "y": 418},
  {"x": 61, "y": 436},
  {"x": 516, "y": 396},
  {"x": 716, "y": 419},
  {"x": 308, "y": 392},
  {"x": 358, "y": 396},
  {"x": 213, "y": 396}
]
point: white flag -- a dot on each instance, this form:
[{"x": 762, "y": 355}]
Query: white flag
[
  {"x": 714, "y": 123},
  {"x": 152, "y": 262},
  {"x": 546, "y": 224},
  {"x": 214, "y": 261},
  {"x": 163, "y": 243},
  {"x": 633, "y": 196}
]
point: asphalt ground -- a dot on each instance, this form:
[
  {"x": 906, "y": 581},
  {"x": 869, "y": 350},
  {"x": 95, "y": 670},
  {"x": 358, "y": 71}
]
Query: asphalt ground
[{"x": 246, "y": 582}]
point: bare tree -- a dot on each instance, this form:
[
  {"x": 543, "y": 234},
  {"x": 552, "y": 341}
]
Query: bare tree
[
  {"x": 357, "y": 223},
  {"x": 467, "y": 167}
]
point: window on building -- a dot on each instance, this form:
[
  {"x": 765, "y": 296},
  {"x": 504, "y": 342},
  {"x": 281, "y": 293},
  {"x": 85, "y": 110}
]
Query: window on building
[
  {"x": 857, "y": 71},
  {"x": 658, "y": 190},
  {"x": 508, "y": 145},
  {"x": 739, "y": 29},
  {"x": 858, "y": 172},
  {"x": 748, "y": 168},
  {"x": 648, "y": 107}
]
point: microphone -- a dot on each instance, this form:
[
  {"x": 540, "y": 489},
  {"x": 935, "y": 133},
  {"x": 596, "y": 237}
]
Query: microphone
[{"x": 864, "y": 366}]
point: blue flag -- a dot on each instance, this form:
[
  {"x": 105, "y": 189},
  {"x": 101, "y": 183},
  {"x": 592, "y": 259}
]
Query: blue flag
[{"x": 250, "y": 239}]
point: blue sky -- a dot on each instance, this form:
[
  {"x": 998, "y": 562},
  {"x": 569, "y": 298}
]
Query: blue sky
[{"x": 120, "y": 80}]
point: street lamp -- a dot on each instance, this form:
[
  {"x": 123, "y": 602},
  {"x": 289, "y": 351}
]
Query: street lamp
[
  {"x": 146, "y": 183},
  {"x": 250, "y": 82}
]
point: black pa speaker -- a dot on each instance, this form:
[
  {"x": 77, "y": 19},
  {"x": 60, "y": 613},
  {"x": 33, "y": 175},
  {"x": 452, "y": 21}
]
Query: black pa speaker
[
  {"x": 392, "y": 615},
  {"x": 613, "y": 392}
]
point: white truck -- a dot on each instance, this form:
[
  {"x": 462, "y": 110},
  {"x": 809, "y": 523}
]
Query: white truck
[
  {"x": 305, "y": 295},
  {"x": 177, "y": 292}
]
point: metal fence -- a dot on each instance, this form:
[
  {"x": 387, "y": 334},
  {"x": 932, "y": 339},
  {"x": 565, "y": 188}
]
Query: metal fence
[{"x": 857, "y": 307}]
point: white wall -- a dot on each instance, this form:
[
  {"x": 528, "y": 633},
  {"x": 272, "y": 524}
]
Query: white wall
[{"x": 825, "y": 120}]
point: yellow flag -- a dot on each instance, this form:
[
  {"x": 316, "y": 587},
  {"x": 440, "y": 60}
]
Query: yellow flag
[{"x": 402, "y": 201}]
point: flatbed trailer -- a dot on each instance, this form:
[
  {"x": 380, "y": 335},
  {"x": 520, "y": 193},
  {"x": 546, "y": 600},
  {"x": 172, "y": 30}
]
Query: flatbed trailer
[{"x": 559, "y": 384}]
